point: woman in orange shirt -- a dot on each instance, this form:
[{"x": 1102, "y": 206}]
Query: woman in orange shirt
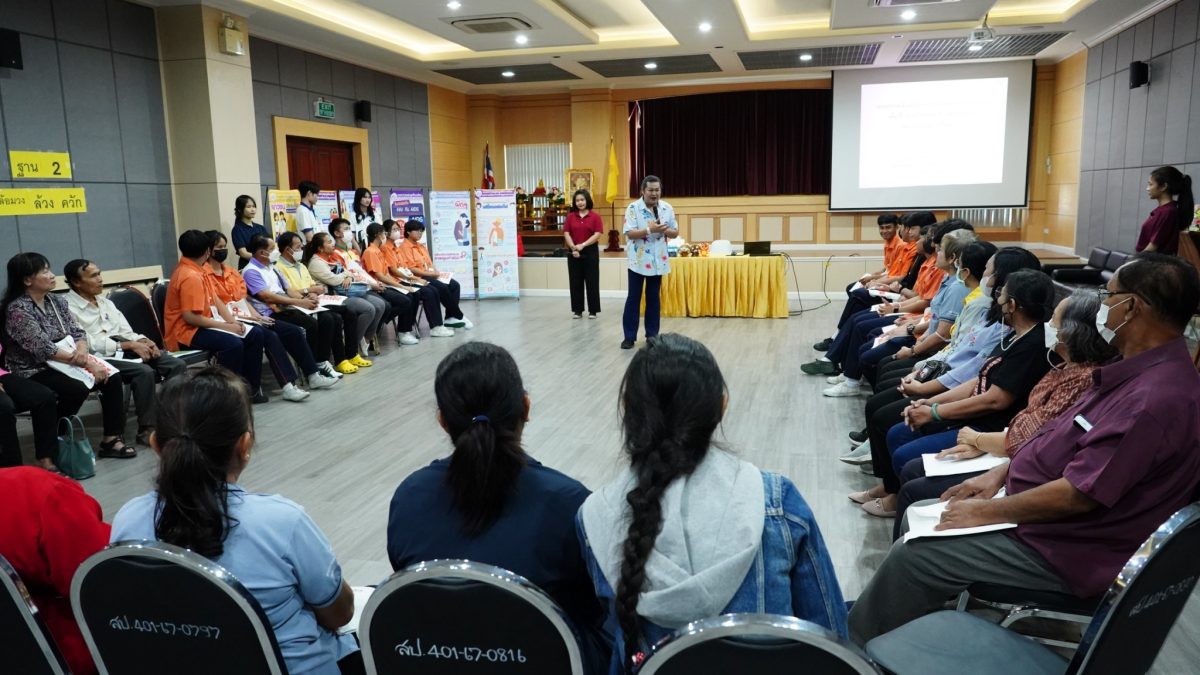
[
  {"x": 281, "y": 338},
  {"x": 378, "y": 263}
]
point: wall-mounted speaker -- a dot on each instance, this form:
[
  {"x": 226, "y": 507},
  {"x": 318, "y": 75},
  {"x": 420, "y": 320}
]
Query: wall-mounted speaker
[
  {"x": 362, "y": 111},
  {"x": 10, "y": 49},
  {"x": 1139, "y": 74}
]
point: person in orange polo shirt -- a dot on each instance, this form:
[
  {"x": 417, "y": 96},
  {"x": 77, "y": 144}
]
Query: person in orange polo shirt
[
  {"x": 379, "y": 264},
  {"x": 425, "y": 294},
  {"x": 189, "y": 322},
  {"x": 899, "y": 251},
  {"x": 415, "y": 257}
]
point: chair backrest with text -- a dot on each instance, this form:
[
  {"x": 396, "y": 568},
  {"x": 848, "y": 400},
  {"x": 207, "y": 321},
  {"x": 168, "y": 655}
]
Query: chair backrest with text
[
  {"x": 446, "y": 617},
  {"x": 1144, "y": 602},
  {"x": 755, "y": 643},
  {"x": 26, "y": 646},
  {"x": 147, "y": 607}
]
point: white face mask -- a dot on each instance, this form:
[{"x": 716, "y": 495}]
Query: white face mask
[
  {"x": 344, "y": 235},
  {"x": 298, "y": 253},
  {"x": 1102, "y": 321},
  {"x": 274, "y": 255},
  {"x": 958, "y": 273},
  {"x": 1051, "y": 335},
  {"x": 985, "y": 282},
  {"x": 397, "y": 235}
]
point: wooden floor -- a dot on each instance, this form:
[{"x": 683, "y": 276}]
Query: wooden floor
[{"x": 341, "y": 453}]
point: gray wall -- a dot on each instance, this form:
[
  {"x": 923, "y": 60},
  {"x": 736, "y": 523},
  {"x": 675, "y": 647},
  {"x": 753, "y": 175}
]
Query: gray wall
[
  {"x": 287, "y": 81},
  {"x": 1127, "y": 133},
  {"x": 90, "y": 87}
]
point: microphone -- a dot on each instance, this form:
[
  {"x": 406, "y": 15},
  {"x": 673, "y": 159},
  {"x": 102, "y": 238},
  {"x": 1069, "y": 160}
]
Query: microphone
[{"x": 655, "y": 209}]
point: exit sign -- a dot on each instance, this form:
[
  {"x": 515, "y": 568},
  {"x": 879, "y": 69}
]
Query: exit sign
[{"x": 323, "y": 109}]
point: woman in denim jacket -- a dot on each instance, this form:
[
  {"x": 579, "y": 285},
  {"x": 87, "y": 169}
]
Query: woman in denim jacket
[{"x": 688, "y": 531}]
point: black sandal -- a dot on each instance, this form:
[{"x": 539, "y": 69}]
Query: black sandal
[{"x": 110, "y": 450}]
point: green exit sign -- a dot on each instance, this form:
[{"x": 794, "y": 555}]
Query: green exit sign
[{"x": 323, "y": 109}]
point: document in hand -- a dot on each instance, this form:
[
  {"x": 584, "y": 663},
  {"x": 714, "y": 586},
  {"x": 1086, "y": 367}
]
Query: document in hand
[
  {"x": 922, "y": 520},
  {"x": 445, "y": 277},
  {"x": 886, "y": 295},
  {"x": 327, "y": 300},
  {"x": 952, "y": 467}
]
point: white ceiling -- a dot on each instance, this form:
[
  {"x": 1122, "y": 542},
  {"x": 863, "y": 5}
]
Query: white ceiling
[{"x": 413, "y": 38}]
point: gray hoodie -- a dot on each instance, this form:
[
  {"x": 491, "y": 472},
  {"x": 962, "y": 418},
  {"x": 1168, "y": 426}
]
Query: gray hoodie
[{"x": 712, "y": 531}]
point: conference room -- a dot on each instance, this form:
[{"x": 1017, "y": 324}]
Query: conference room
[{"x": 552, "y": 336}]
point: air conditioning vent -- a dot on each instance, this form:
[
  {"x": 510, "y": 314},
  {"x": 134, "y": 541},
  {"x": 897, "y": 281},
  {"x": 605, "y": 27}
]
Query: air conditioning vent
[
  {"x": 907, "y": 3},
  {"x": 490, "y": 25}
]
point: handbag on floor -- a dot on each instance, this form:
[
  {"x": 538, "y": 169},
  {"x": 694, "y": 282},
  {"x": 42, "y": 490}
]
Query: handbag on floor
[{"x": 75, "y": 456}]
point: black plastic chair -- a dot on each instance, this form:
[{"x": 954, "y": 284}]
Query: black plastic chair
[
  {"x": 1124, "y": 637},
  {"x": 151, "y": 608},
  {"x": 158, "y": 300},
  {"x": 1019, "y": 604},
  {"x": 457, "y": 616},
  {"x": 733, "y": 644},
  {"x": 27, "y": 646},
  {"x": 142, "y": 318}
]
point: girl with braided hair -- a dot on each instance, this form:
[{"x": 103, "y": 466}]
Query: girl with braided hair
[{"x": 688, "y": 531}]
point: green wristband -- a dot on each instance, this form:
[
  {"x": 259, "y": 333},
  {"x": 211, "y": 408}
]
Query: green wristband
[{"x": 936, "y": 416}]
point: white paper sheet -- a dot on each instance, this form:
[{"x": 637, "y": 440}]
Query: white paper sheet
[
  {"x": 887, "y": 295},
  {"x": 922, "y": 520},
  {"x": 950, "y": 467},
  {"x": 361, "y": 594}
]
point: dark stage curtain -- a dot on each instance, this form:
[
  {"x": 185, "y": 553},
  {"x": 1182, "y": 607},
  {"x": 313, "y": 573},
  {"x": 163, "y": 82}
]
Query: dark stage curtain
[{"x": 774, "y": 142}]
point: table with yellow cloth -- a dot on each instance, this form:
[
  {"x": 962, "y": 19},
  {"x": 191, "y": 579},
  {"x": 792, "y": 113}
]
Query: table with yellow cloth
[{"x": 746, "y": 286}]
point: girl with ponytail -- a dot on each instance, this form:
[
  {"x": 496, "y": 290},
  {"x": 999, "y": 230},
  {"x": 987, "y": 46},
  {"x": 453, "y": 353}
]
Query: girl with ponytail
[
  {"x": 204, "y": 437},
  {"x": 688, "y": 531},
  {"x": 1172, "y": 190},
  {"x": 489, "y": 501}
]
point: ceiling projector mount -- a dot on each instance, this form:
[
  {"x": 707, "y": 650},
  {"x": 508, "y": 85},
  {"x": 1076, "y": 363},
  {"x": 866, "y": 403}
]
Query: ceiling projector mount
[{"x": 982, "y": 35}]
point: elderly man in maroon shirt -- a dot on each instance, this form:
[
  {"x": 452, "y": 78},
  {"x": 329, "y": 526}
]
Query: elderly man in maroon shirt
[{"x": 1088, "y": 488}]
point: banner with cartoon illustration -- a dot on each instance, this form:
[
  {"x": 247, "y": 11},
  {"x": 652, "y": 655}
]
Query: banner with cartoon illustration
[
  {"x": 282, "y": 204},
  {"x": 449, "y": 237},
  {"x": 406, "y": 205},
  {"x": 326, "y": 207},
  {"x": 496, "y": 229}
]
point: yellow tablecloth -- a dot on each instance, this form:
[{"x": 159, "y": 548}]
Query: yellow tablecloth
[{"x": 747, "y": 286}]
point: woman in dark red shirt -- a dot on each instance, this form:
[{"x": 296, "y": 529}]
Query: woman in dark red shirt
[
  {"x": 1173, "y": 191},
  {"x": 581, "y": 233}
]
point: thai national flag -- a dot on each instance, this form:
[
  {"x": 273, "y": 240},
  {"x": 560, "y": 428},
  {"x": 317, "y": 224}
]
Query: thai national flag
[{"x": 489, "y": 178}]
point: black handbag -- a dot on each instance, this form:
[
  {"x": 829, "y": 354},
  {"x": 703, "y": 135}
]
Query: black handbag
[{"x": 931, "y": 371}]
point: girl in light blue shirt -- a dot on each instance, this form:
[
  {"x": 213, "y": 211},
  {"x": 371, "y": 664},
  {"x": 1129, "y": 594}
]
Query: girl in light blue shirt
[{"x": 204, "y": 437}]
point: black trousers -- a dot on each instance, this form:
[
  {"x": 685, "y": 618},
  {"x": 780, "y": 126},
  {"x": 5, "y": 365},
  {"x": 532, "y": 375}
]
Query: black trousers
[
  {"x": 448, "y": 295},
  {"x": 21, "y": 394},
  {"x": 324, "y": 331},
  {"x": 584, "y": 273},
  {"x": 404, "y": 309},
  {"x": 429, "y": 298},
  {"x": 72, "y": 393}
]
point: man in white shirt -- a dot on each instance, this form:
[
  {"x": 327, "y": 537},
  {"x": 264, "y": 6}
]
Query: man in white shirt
[
  {"x": 307, "y": 221},
  {"x": 110, "y": 337}
]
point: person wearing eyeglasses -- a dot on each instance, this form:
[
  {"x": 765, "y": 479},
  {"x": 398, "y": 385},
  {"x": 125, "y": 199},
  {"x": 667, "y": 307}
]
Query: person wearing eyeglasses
[{"x": 1085, "y": 491}]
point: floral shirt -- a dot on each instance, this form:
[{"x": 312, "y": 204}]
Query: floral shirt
[
  {"x": 33, "y": 330},
  {"x": 648, "y": 257}
]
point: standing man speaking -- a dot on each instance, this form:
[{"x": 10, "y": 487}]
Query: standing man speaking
[{"x": 649, "y": 223}]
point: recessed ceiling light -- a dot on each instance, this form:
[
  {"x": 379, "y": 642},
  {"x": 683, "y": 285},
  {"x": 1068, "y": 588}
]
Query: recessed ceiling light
[
  {"x": 508, "y": 73},
  {"x": 908, "y": 15},
  {"x": 453, "y": 4},
  {"x": 521, "y": 39},
  {"x": 897, "y": 36},
  {"x": 806, "y": 57},
  {"x": 974, "y": 48},
  {"x": 705, "y": 27},
  {"x": 650, "y": 65}
]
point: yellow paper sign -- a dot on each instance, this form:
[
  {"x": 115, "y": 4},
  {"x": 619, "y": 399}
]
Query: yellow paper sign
[
  {"x": 28, "y": 164},
  {"x": 32, "y": 201}
]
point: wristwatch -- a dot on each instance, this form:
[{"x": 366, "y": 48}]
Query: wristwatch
[{"x": 912, "y": 329}]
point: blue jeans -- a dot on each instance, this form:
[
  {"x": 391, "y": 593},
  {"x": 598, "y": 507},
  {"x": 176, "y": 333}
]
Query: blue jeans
[
  {"x": 906, "y": 444},
  {"x": 633, "y": 305},
  {"x": 243, "y": 355}
]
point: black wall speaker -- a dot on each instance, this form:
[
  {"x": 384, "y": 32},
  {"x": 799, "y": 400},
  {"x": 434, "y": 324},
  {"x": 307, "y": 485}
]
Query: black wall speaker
[
  {"x": 10, "y": 49},
  {"x": 362, "y": 111},
  {"x": 1139, "y": 74}
]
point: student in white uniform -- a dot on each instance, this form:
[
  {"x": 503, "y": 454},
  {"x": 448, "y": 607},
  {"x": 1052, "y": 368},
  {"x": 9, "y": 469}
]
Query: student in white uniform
[{"x": 307, "y": 221}]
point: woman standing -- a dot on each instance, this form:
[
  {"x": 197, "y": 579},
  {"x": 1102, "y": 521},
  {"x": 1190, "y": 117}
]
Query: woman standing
[
  {"x": 35, "y": 326},
  {"x": 1173, "y": 191},
  {"x": 364, "y": 215},
  {"x": 244, "y": 228},
  {"x": 581, "y": 232}
]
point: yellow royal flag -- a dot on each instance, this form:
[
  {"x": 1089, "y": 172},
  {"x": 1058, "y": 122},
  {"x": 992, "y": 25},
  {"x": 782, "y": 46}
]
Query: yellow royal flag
[{"x": 611, "y": 193}]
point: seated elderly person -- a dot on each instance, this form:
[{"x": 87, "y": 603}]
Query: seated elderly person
[
  {"x": 110, "y": 337},
  {"x": 1088, "y": 488}
]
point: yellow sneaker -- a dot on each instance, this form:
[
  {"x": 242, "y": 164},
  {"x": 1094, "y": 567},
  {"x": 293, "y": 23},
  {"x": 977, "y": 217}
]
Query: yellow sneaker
[
  {"x": 359, "y": 361},
  {"x": 346, "y": 367}
]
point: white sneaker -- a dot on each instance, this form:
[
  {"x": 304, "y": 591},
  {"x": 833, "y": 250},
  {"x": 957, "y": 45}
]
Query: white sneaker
[
  {"x": 593, "y": 316},
  {"x": 293, "y": 393},
  {"x": 859, "y": 455},
  {"x": 409, "y": 339},
  {"x": 327, "y": 370},
  {"x": 441, "y": 331},
  {"x": 464, "y": 322},
  {"x": 318, "y": 380},
  {"x": 845, "y": 389},
  {"x": 836, "y": 379}
]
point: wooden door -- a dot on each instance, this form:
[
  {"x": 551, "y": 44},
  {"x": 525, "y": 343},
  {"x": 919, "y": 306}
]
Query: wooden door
[{"x": 329, "y": 164}]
